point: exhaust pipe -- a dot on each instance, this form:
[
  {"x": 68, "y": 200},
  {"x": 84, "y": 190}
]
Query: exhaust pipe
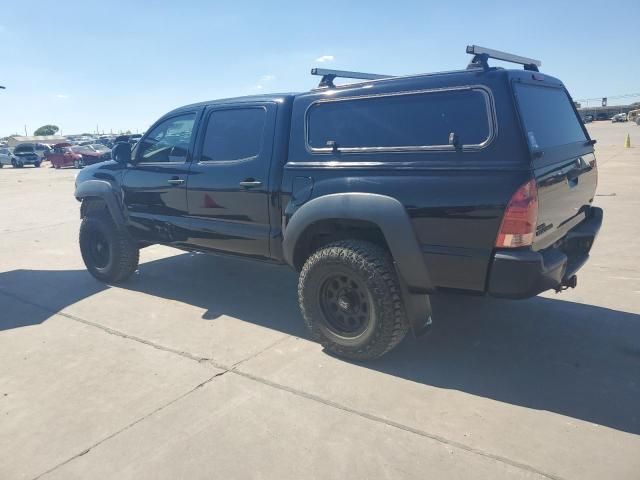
[{"x": 571, "y": 282}]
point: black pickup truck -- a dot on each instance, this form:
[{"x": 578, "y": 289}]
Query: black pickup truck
[{"x": 380, "y": 193}]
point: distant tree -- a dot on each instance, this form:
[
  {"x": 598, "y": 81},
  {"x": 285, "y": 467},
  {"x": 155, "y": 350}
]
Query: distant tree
[
  {"x": 47, "y": 130},
  {"x": 128, "y": 132}
]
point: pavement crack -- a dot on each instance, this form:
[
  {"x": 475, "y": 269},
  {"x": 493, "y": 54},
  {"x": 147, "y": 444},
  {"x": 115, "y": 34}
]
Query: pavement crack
[
  {"x": 260, "y": 352},
  {"x": 130, "y": 425}
]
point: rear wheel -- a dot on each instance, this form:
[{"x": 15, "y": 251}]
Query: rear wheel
[
  {"x": 37, "y": 164},
  {"x": 109, "y": 252},
  {"x": 350, "y": 299}
]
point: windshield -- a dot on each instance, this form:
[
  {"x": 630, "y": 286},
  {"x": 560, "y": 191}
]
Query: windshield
[
  {"x": 24, "y": 148},
  {"x": 548, "y": 116}
]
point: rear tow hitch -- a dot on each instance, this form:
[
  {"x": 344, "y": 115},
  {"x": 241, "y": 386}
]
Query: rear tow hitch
[{"x": 570, "y": 282}]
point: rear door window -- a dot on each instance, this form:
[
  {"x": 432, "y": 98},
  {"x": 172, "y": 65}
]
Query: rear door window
[
  {"x": 414, "y": 120},
  {"x": 548, "y": 116},
  {"x": 234, "y": 134}
]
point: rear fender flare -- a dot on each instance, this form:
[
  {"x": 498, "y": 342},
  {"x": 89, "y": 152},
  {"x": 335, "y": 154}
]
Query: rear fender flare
[{"x": 384, "y": 211}]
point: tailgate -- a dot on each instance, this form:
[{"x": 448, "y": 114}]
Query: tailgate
[
  {"x": 561, "y": 158},
  {"x": 565, "y": 192}
]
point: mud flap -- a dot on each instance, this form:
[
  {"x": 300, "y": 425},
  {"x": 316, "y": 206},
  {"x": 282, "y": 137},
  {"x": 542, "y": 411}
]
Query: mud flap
[{"x": 417, "y": 307}]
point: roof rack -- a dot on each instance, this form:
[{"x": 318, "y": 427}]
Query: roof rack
[
  {"x": 481, "y": 55},
  {"x": 329, "y": 75}
]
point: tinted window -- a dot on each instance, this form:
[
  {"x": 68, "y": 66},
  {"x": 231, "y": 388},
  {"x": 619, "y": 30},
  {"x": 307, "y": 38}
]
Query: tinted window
[
  {"x": 548, "y": 116},
  {"x": 411, "y": 120},
  {"x": 168, "y": 141},
  {"x": 233, "y": 134}
]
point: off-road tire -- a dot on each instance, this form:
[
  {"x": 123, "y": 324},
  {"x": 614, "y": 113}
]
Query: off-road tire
[
  {"x": 373, "y": 267},
  {"x": 123, "y": 252}
]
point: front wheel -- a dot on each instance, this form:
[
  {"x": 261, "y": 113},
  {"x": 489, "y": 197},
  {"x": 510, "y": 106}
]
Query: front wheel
[
  {"x": 76, "y": 164},
  {"x": 109, "y": 252},
  {"x": 37, "y": 164},
  {"x": 350, "y": 300}
]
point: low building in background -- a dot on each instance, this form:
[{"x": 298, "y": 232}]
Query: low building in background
[
  {"x": 606, "y": 113},
  {"x": 46, "y": 139}
]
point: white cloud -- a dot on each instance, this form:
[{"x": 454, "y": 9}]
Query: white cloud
[
  {"x": 264, "y": 79},
  {"x": 325, "y": 58},
  {"x": 62, "y": 95}
]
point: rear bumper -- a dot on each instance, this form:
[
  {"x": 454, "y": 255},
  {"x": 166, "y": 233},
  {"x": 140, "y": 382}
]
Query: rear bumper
[{"x": 526, "y": 273}]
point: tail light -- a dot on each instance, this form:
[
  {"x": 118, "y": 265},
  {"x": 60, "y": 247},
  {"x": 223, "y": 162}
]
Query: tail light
[{"x": 520, "y": 218}]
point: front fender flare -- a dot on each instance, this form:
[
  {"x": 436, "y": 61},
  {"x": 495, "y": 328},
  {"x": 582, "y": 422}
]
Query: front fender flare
[
  {"x": 103, "y": 190},
  {"x": 385, "y": 212}
]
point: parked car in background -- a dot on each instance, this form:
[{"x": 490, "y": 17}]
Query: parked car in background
[
  {"x": 93, "y": 153},
  {"x": 134, "y": 138},
  {"x": 620, "y": 117},
  {"x": 27, "y": 154},
  {"x": 43, "y": 150},
  {"x": 633, "y": 115},
  {"x": 6, "y": 157},
  {"x": 588, "y": 118},
  {"x": 63, "y": 156}
]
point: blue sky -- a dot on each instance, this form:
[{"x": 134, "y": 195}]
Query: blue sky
[{"x": 121, "y": 65}]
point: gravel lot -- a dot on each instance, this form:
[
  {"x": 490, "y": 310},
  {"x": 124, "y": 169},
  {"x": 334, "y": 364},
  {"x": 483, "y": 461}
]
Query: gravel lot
[{"x": 199, "y": 367}]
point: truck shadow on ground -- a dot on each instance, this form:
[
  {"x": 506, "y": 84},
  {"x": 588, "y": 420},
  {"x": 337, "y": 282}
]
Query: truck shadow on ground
[{"x": 573, "y": 359}]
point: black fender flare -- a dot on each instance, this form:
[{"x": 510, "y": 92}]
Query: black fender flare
[
  {"x": 384, "y": 211},
  {"x": 103, "y": 190}
]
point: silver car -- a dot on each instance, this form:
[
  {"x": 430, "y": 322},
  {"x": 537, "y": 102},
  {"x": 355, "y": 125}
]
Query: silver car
[{"x": 5, "y": 157}]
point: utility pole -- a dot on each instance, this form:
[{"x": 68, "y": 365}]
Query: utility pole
[{"x": 25, "y": 131}]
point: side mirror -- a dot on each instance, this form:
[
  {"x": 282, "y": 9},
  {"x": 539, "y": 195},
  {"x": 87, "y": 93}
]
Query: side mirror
[{"x": 121, "y": 152}]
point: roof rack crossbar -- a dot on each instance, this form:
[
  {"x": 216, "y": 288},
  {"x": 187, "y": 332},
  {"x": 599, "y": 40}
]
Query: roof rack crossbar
[
  {"x": 329, "y": 75},
  {"x": 482, "y": 54}
]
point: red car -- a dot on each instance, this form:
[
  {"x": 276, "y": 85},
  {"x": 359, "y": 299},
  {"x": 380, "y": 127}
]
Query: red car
[
  {"x": 67, "y": 155},
  {"x": 91, "y": 154},
  {"x": 63, "y": 156}
]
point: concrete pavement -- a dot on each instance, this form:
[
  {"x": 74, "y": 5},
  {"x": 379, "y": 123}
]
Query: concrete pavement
[{"x": 200, "y": 367}]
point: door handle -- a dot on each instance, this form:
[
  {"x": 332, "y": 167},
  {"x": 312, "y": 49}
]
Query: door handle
[
  {"x": 248, "y": 183},
  {"x": 175, "y": 181}
]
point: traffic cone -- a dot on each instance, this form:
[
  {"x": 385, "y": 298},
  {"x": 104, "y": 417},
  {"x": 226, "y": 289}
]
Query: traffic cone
[{"x": 627, "y": 141}]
